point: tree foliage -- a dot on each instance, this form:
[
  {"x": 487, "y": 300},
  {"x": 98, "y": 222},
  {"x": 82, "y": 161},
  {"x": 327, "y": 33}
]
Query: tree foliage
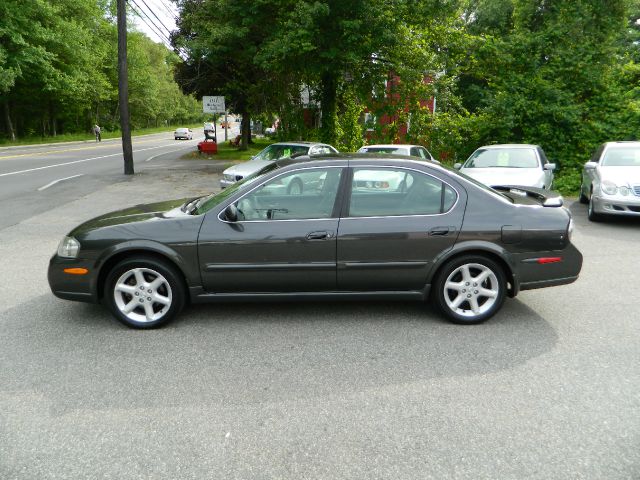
[{"x": 58, "y": 70}]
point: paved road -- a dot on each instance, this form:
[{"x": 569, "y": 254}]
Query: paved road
[
  {"x": 36, "y": 178},
  {"x": 548, "y": 389}
]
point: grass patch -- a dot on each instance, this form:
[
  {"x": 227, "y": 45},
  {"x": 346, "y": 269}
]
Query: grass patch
[
  {"x": 79, "y": 137},
  {"x": 228, "y": 152}
]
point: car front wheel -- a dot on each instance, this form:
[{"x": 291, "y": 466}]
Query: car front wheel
[
  {"x": 144, "y": 292},
  {"x": 591, "y": 213},
  {"x": 470, "y": 289}
]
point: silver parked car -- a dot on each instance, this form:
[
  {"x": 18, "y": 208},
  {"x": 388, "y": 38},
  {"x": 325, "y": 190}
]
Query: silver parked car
[
  {"x": 409, "y": 150},
  {"x": 514, "y": 164},
  {"x": 611, "y": 180},
  {"x": 269, "y": 155}
]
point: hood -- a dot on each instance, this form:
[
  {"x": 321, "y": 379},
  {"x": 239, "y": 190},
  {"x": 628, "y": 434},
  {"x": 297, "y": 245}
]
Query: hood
[
  {"x": 530, "y": 177},
  {"x": 138, "y": 213},
  {"x": 621, "y": 175},
  {"x": 247, "y": 168}
]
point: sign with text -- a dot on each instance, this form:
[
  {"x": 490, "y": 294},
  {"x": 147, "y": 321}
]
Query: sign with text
[{"x": 213, "y": 104}]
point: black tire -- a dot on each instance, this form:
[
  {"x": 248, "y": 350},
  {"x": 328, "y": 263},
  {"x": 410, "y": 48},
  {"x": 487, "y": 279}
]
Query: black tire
[
  {"x": 295, "y": 187},
  {"x": 583, "y": 198},
  {"x": 173, "y": 289},
  {"x": 487, "y": 306}
]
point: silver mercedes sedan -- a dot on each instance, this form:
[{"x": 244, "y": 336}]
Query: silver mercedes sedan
[{"x": 611, "y": 180}]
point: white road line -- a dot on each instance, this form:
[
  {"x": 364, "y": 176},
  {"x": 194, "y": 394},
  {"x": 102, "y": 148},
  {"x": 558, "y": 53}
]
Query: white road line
[
  {"x": 78, "y": 161},
  {"x": 170, "y": 151},
  {"x": 50, "y": 184}
]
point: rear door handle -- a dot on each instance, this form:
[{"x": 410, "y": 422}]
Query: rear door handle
[
  {"x": 324, "y": 235},
  {"x": 439, "y": 231}
]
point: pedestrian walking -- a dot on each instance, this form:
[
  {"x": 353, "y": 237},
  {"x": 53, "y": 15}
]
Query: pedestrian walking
[{"x": 97, "y": 131}]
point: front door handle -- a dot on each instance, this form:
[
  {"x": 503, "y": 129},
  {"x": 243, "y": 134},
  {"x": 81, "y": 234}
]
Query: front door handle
[
  {"x": 439, "y": 231},
  {"x": 324, "y": 235}
]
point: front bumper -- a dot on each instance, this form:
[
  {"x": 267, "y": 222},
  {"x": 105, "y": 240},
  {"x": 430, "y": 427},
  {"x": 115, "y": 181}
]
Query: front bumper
[
  {"x": 224, "y": 183},
  {"x": 81, "y": 288},
  {"x": 616, "y": 204}
]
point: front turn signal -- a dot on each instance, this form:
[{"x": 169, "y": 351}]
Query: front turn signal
[{"x": 76, "y": 271}]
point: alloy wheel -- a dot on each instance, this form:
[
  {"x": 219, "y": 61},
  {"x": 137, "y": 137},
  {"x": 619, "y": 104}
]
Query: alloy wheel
[
  {"x": 471, "y": 290},
  {"x": 142, "y": 295}
]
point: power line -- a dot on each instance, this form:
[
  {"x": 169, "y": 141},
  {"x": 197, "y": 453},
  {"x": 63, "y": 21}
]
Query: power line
[
  {"x": 159, "y": 21},
  {"x": 153, "y": 28}
]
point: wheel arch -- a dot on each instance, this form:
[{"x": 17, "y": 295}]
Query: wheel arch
[
  {"x": 117, "y": 255},
  {"x": 488, "y": 250}
]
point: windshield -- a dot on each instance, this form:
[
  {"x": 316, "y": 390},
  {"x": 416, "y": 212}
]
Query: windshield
[
  {"x": 480, "y": 184},
  {"x": 503, "y": 157},
  {"x": 277, "y": 151},
  {"x": 392, "y": 150},
  {"x": 621, "y": 157},
  {"x": 207, "y": 203}
]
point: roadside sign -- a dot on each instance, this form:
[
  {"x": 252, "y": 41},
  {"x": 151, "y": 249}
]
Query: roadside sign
[{"x": 213, "y": 105}]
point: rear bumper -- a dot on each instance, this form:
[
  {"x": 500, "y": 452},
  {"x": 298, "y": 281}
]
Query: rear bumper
[
  {"x": 532, "y": 274},
  {"x": 226, "y": 183}
]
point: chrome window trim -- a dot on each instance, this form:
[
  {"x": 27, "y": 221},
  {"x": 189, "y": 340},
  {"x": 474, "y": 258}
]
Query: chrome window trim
[{"x": 406, "y": 215}]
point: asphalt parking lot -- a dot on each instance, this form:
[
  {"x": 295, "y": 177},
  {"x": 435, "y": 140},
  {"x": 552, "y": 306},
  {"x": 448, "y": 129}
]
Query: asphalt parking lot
[{"x": 547, "y": 389}]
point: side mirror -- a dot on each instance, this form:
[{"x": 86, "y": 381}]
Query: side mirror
[
  {"x": 550, "y": 166},
  {"x": 231, "y": 213},
  {"x": 457, "y": 165},
  {"x": 590, "y": 165}
]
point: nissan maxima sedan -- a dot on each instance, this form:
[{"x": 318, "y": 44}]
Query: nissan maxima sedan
[
  {"x": 436, "y": 235},
  {"x": 510, "y": 164},
  {"x": 611, "y": 181}
]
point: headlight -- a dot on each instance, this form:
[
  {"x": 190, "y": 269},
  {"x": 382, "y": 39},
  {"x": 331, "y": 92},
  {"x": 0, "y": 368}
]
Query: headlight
[
  {"x": 609, "y": 187},
  {"x": 69, "y": 248},
  {"x": 623, "y": 190}
]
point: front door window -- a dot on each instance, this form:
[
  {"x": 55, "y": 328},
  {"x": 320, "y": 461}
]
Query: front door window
[{"x": 303, "y": 194}]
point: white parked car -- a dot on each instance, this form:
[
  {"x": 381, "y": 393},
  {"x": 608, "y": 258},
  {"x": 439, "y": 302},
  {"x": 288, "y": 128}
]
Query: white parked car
[
  {"x": 269, "y": 155},
  {"x": 516, "y": 164},
  {"x": 409, "y": 150},
  {"x": 611, "y": 180},
  {"x": 184, "y": 133}
]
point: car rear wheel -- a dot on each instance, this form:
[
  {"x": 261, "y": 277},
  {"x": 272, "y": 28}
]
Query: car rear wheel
[
  {"x": 470, "y": 289},
  {"x": 144, "y": 292}
]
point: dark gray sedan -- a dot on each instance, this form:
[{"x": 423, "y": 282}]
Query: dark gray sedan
[{"x": 418, "y": 231}]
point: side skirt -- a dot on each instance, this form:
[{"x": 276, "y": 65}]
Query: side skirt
[{"x": 200, "y": 296}]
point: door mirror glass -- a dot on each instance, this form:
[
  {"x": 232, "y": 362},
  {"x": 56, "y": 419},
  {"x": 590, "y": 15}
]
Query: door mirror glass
[{"x": 231, "y": 213}]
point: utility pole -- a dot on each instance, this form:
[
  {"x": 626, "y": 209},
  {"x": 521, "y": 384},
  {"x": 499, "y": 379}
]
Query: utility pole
[{"x": 123, "y": 88}]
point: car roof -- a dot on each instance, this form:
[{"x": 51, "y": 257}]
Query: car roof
[
  {"x": 346, "y": 159},
  {"x": 301, "y": 144},
  {"x": 624, "y": 142},
  {"x": 390, "y": 145},
  {"x": 508, "y": 145}
]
